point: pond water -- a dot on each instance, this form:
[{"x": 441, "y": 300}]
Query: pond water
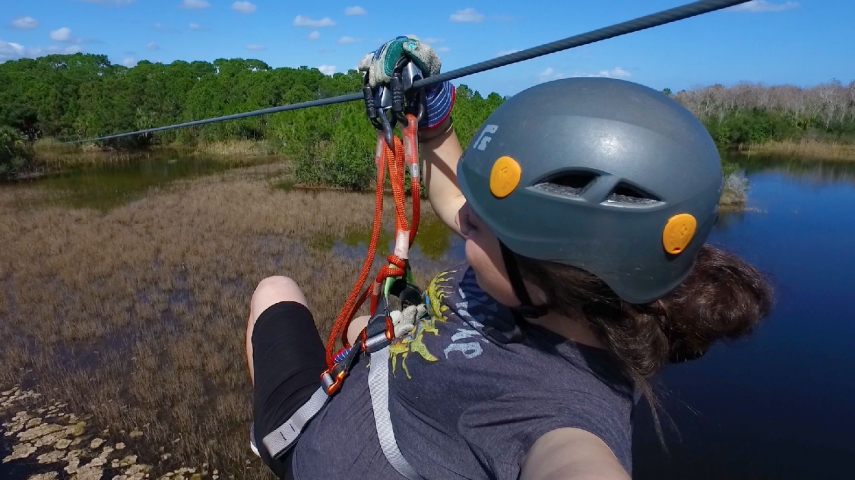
[
  {"x": 777, "y": 405},
  {"x": 109, "y": 185}
]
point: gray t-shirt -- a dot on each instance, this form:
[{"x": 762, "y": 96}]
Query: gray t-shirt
[{"x": 469, "y": 393}]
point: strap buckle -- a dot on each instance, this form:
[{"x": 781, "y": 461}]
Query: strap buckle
[
  {"x": 380, "y": 330},
  {"x": 331, "y": 379}
]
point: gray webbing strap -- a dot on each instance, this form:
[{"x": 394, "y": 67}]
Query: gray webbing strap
[
  {"x": 378, "y": 385},
  {"x": 280, "y": 440}
]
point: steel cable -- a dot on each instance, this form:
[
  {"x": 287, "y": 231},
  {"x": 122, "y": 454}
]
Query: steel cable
[{"x": 642, "y": 23}]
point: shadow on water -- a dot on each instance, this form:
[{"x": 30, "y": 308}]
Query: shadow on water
[
  {"x": 818, "y": 171},
  {"x": 107, "y": 186}
]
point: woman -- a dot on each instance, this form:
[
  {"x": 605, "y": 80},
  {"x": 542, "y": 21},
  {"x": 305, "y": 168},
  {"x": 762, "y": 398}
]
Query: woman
[{"x": 585, "y": 204}]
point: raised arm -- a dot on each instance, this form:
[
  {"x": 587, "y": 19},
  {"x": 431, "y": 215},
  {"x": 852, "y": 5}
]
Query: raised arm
[
  {"x": 439, "y": 147},
  {"x": 440, "y": 150},
  {"x": 571, "y": 454}
]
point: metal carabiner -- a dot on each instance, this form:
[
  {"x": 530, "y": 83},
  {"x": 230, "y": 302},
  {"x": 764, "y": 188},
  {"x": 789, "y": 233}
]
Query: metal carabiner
[
  {"x": 377, "y": 101},
  {"x": 386, "y": 127},
  {"x": 398, "y": 97},
  {"x": 404, "y": 98}
]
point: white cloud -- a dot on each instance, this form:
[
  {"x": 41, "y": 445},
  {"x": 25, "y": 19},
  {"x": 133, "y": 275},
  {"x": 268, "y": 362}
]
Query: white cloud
[
  {"x": 467, "y": 15},
  {"x": 11, "y": 50},
  {"x": 354, "y": 11},
  {"x": 244, "y": 7},
  {"x": 616, "y": 72},
  {"x": 195, "y": 26},
  {"x": 25, "y": 23},
  {"x": 61, "y": 35},
  {"x": 442, "y": 49},
  {"x": 14, "y": 51},
  {"x": 549, "y": 74},
  {"x": 433, "y": 40},
  {"x": 129, "y": 62},
  {"x": 327, "y": 69},
  {"x": 152, "y": 46},
  {"x": 348, "y": 40},
  {"x": 759, "y": 6},
  {"x": 194, "y": 4},
  {"x": 315, "y": 35},
  {"x": 302, "y": 21},
  {"x": 255, "y": 47},
  {"x": 507, "y": 52}
]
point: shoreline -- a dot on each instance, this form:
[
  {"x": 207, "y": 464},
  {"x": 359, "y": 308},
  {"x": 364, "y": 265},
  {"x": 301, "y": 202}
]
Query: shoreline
[
  {"x": 51, "y": 155},
  {"x": 53, "y": 158},
  {"x": 811, "y": 150}
]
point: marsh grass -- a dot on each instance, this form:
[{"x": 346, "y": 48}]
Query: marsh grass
[
  {"x": 136, "y": 315},
  {"x": 236, "y": 148},
  {"x": 55, "y": 155},
  {"x": 809, "y": 149}
]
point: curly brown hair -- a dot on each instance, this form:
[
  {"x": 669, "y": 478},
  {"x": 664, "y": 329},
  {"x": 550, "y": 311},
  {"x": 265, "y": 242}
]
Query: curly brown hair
[{"x": 723, "y": 297}]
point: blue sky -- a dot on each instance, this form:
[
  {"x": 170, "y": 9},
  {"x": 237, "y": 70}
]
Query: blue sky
[{"x": 773, "y": 42}]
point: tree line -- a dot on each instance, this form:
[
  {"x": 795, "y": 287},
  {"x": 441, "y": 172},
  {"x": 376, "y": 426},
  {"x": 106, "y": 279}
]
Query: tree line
[
  {"x": 753, "y": 114},
  {"x": 85, "y": 95}
]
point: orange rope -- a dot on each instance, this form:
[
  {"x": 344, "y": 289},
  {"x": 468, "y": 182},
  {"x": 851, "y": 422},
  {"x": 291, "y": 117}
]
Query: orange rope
[
  {"x": 411, "y": 155},
  {"x": 405, "y": 153}
]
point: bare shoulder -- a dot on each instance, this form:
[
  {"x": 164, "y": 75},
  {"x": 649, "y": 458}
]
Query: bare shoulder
[{"x": 571, "y": 453}]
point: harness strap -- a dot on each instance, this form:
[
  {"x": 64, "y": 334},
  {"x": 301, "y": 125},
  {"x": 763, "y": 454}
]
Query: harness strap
[
  {"x": 375, "y": 342},
  {"x": 282, "y": 439},
  {"x": 378, "y": 385}
]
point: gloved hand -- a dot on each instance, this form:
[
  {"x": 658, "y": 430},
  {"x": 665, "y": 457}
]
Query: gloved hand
[{"x": 379, "y": 65}]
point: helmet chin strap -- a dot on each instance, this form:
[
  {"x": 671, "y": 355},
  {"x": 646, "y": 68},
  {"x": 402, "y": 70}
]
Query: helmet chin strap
[{"x": 526, "y": 308}]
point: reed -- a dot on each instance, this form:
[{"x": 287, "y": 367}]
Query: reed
[
  {"x": 55, "y": 155},
  {"x": 236, "y": 148},
  {"x": 804, "y": 149}
]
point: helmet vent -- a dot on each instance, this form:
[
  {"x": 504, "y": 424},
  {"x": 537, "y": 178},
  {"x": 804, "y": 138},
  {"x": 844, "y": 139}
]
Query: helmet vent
[
  {"x": 568, "y": 182},
  {"x": 626, "y": 193}
]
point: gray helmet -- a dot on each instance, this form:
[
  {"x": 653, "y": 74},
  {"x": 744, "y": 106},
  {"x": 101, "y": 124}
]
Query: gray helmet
[{"x": 605, "y": 175}]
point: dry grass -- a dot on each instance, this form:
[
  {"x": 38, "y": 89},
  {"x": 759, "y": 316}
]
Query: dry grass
[
  {"x": 53, "y": 154},
  {"x": 56, "y": 155},
  {"x": 811, "y": 149},
  {"x": 137, "y": 315},
  {"x": 236, "y": 148}
]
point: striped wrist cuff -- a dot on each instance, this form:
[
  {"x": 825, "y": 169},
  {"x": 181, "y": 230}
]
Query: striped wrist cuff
[{"x": 439, "y": 103}]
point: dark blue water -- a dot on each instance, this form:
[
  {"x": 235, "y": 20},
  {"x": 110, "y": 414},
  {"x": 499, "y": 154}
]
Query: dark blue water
[{"x": 781, "y": 403}]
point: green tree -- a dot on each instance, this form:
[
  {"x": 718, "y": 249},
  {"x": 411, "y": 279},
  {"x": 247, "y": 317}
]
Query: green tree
[{"x": 14, "y": 155}]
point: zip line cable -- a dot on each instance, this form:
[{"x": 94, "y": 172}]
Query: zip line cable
[{"x": 642, "y": 23}]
